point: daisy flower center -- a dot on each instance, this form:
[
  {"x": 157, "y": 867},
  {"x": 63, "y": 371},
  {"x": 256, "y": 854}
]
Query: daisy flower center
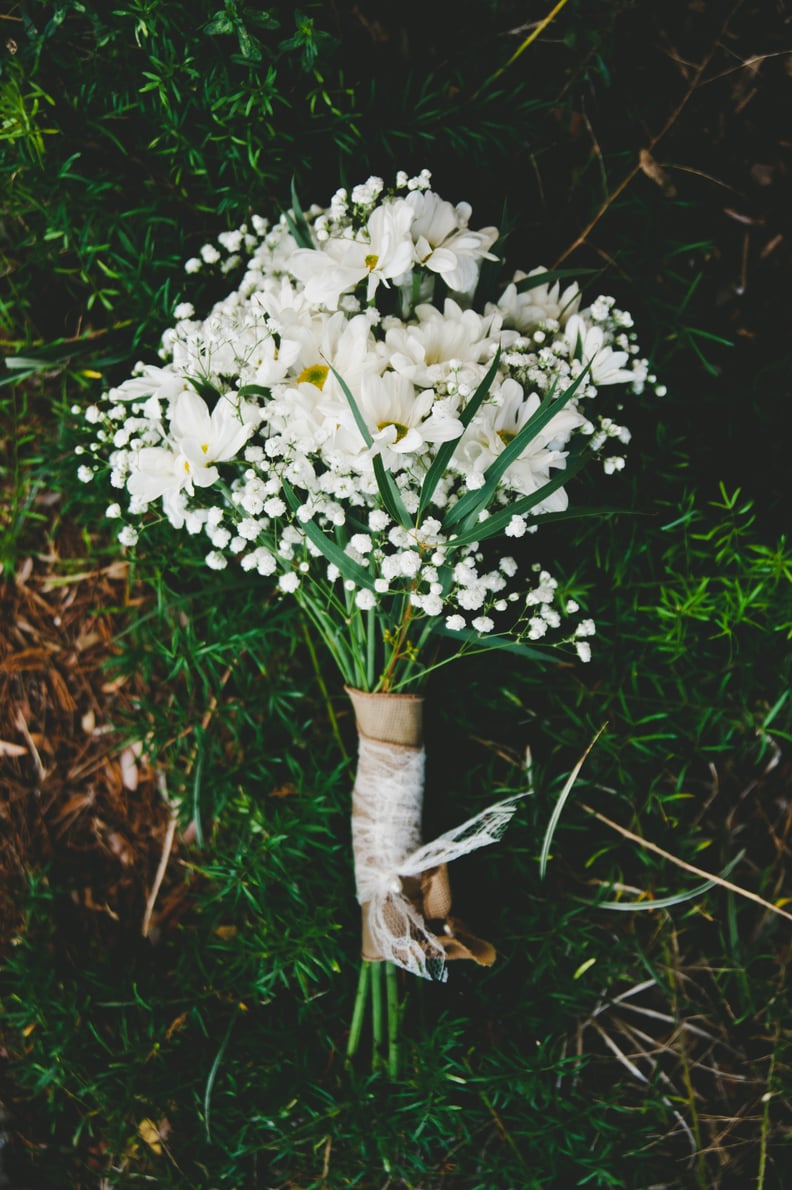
[{"x": 315, "y": 374}]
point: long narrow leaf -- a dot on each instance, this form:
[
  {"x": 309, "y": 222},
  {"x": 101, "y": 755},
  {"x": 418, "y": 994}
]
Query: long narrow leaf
[
  {"x": 443, "y": 456},
  {"x": 331, "y": 551},
  {"x": 559, "y": 806},
  {"x": 360, "y": 420},
  {"x": 503, "y": 643},
  {"x": 549, "y": 278},
  {"x": 481, "y": 530},
  {"x": 475, "y": 501},
  {"x": 213, "y": 1074},
  {"x": 676, "y": 898},
  {"x": 297, "y": 223},
  {"x": 389, "y": 492}
]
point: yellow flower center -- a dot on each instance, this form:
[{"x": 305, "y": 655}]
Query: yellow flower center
[
  {"x": 205, "y": 447},
  {"x": 371, "y": 262},
  {"x": 314, "y": 374},
  {"x": 401, "y": 430},
  {"x": 506, "y": 436}
]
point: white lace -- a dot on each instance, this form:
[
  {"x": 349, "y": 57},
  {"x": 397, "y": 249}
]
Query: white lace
[{"x": 386, "y": 838}]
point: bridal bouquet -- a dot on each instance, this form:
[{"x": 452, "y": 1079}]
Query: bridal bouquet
[{"x": 353, "y": 423}]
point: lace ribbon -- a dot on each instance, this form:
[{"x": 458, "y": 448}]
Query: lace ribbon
[{"x": 402, "y": 884}]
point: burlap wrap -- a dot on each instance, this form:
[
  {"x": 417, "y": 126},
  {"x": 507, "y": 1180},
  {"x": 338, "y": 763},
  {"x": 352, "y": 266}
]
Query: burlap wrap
[{"x": 395, "y": 722}]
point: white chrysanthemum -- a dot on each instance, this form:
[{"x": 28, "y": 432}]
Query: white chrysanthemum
[
  {"x": 383, "y": 251},
  {"x": 401, "y": 421},
  {"x": 497, "y": 425},
  {"x": 443, "y": 343},
  {"x": 445, "y": 244},
  {"x": 527, "y": 310},
  {"x": 588, "y": 344}
]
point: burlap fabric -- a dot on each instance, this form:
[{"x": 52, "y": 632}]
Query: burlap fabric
[{"x": 395, "y": 722}]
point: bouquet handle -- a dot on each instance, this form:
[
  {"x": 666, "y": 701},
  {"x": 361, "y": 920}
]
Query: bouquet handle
[{"x": 403, "y": 886}]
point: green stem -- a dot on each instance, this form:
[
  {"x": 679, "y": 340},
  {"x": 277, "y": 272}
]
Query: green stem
[
  {"x": 358, "y": 1012},
  {"x": 335, "y": 645},
  {"x": 391, "y": 978},
  {"x": 325, "y": 692},
  {"x": 371, "y": 644},
  {"x": 386, "y": 682},
  {"x": 376, "y": 1013}
]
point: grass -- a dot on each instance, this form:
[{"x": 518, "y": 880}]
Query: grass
[{"x": 605, "y": 1048}]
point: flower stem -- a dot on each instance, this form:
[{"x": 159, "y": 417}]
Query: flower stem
[
  {"x": 359, "y": 1010},
  {"x": 391, "y": 978},
  {"x": 325, "y": 692},
  {"x": 376, "y": 1014},
  {"x": 371, "y": 643}
]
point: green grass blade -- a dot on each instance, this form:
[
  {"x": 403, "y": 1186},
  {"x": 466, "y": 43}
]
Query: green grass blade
[
  {"x": 676, "y": 898},
  {"x": 213, "y": 1075},
  {"x": 559, "y": 806}
]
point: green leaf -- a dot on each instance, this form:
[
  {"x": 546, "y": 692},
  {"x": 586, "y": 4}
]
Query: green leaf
[
  {"x": 254, "y": 390},
  {"x": 559, "y": 806},
  {"x": 550, "y": 277},
  {"x": 389, "y": 492},
  {"x": 676, "y": 898},
  {"x": 204, "y": 389},
  {"x": 297, "y": 223},
  {"x": 331, "y": 551},
  {"x": 481, "y": 530},
  {"x": 219, "y": 24},
  {"x": 353, "y": 405},
  {"x": 474, "y": 502},
  {"x": 443, "y": 456},
  {"x": 503, "y": 643}
]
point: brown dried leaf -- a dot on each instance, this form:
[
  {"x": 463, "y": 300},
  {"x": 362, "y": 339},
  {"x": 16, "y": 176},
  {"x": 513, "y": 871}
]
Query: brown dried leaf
[
  {"x": 657, "y": 173},
  {"x": 129, "y": 769},
  {"x": 149, "y": 1132},
  {"x": 225, "y": 933},
  {"x": 287, "y": 790},
  {"x": 61, "y": 692},
  {"x": 8, "y": 749},
  {"x": 27, "y": 659},
  {"x": 75, "y": 805},
  {"x": 87, "y": 640},
  {"x": 176, "y": 1025}
]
